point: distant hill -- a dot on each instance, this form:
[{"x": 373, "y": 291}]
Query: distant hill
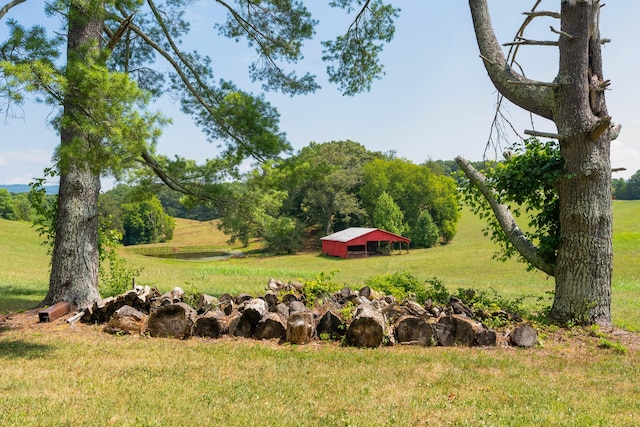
[{"x": 24, "y": 188}]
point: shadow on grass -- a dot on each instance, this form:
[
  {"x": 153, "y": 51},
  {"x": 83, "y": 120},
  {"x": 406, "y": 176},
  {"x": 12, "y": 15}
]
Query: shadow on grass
[
  {"x": 14, "y": 299},
  {"x": 27, "y": 350}
]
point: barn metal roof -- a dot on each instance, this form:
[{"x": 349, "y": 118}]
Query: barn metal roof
[{"x": 348, "y": 234}]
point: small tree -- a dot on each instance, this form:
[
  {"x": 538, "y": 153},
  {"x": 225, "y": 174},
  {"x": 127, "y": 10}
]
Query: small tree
[
  {"x": 388, "y": 216},
  {"x": 425, "y": 233},
  {"x": 7, "y": 208},
  {"x": 146, "y": 222}
]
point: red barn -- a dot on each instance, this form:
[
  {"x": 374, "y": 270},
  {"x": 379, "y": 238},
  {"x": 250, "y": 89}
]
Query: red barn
[{"x": 360, "y": 242}]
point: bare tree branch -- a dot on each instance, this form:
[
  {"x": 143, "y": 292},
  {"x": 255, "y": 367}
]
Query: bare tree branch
[
  {"x": 535, "y": 98},
  {"x": 508, "y": 224},
  {"x": 8, "y": 7}
]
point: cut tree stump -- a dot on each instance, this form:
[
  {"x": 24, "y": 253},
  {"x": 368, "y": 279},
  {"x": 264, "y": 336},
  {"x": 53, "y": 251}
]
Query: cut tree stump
[
  {"x": 414, "y": 330},
  {"x": 209, "y": 325},
  {"x": 524, "y": 335},
  {"x": 457, "y": 330},
  {"x": 271, "y": 326},
  {"x": 300, "y": 327},
  {"x": 296, "y": 306},
  {"x": 271, "y": 298},
  {"x": 172, "y": 321},
  {"x": 331, "y": 323},
  {"x": 206, "y": 303},
  {"x": 486, "y": 338},
  {"x": 254, "y": 309},
  {"x": 127, "y": 320},
  {"x": 368, "y": 327}
]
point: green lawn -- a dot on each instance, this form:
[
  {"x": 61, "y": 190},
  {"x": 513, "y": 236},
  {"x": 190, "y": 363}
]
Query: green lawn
[{"x": 57, "y": 374}]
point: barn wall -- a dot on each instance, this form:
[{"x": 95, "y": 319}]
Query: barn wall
[{"x": 339, "y": 249}]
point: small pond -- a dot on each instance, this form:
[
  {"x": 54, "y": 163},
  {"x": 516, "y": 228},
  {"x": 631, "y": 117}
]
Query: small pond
[{"x": 197, "y": 256}]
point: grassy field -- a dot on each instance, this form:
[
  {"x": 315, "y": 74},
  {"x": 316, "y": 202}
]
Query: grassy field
[{"x": 57, "y": 374}]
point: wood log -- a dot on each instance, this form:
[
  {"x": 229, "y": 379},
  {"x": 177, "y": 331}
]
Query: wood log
[
  {"x": 271, "y": 298},
  {"x": 486, "y": 338},
  {"x": 92, "y": 313},
  {"x": 365, "y": 292},
  {"x": 295, "y": 286},
  {"x": 226, "y": 306},
  {"x": 127, "y": 320},
  {"x": 281, "y": 309},
  {"x": 288, "y": 298},
  {"x": 206, "y": 303},
  {"x": 243, "y": 297},
  {"x": 393, "y": 311},
  {"x": 271, "y": 326},
  {"x": 331, "y": 323},
  {"x": 239, "y": 326},
  {"x": 173, "y": 296},
  {"x": 457, "y": 330},
  {"x": 296, "y": 306},
  {"x": 172, "y": 321},
  {"x": 254, "y": 309},
  {"x": 368, "y": 327},
  {"x": 300, "y": 327},
  {"x": 415, "y": 330},
  {"x": 524, "y": 335},
  {"x": 208, "y": 325},
  {"x": 413, "y": 308}
]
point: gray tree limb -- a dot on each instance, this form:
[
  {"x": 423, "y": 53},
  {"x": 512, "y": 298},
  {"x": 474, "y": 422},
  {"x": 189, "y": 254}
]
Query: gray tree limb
[
  {"x": 516, "y": 236},
  {"x": 529, "y": 94},
  {"x": 7, "y": 7}
]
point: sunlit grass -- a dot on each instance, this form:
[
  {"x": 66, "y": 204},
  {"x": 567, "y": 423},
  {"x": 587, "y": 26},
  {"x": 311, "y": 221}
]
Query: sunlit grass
[
  {"x": 58, "y": 374},
  {"x": 63, "y": 378}
]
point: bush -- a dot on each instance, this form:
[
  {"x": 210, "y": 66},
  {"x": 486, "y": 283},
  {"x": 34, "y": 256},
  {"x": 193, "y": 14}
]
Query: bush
[{"x": 399, "y": 285}]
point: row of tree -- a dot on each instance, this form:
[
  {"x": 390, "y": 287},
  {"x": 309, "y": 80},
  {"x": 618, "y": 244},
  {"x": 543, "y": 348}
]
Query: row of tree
[
  {"x": 327, "y": 187},
  {"x": 627, "y": 189}
]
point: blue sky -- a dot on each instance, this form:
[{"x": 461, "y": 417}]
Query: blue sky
[{"x": 435, "y": 100}]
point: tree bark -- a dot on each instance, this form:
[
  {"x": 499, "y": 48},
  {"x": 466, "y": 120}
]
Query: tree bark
[
  {"x": 172, "y": 321},
  {"x": 457, "y": 330},
  {"x": 368, "y": 327},
  {"x": 127, "y": 320},
  {"x": 585, "y": 255},
  {"x": 74, "y": 265},
  {"x": 413, "y": 330},
  {"x": 300, "y": 327},
  {"x": 575, "y": 102},
  {"x": 271, "y": 326},
  {"x": 208, "y": 325}
]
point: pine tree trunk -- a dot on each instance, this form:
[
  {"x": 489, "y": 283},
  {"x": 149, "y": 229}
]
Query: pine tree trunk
[
  {"x": 74, "y": 266},
  {"x": 585, "y": 255}
]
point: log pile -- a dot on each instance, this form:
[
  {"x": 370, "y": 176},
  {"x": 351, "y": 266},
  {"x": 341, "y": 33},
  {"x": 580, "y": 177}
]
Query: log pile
[{"x": 356, "y": 318}]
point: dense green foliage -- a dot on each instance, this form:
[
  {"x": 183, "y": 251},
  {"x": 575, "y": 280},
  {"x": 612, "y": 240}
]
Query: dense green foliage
[
  {"x": 334, "y": 185},
  {"x": 415, "y": 188},
  {"x": 146, "y": 222},
  {"x": 7, "y": 208},
  {"x": 425, "y": 233},
  {"x": 627, "y": 189},
  {"x": 526, "y": 181},
  {"x": 388, "y": 216}
]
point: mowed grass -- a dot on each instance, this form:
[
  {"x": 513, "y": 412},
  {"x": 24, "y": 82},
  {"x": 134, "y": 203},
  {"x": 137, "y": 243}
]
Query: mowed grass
[{"x": 57, "y": 374}]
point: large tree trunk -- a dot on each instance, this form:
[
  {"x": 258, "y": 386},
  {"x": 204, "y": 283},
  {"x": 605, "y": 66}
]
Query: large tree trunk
[
  {"x": 585, "y": 255},
  {"x": 74, "y": 266},
  {"x": 575, "y": 102}
]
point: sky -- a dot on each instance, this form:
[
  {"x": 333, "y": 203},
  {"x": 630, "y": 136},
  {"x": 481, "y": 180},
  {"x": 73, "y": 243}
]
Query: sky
[{"x": 434, "y": 102}]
